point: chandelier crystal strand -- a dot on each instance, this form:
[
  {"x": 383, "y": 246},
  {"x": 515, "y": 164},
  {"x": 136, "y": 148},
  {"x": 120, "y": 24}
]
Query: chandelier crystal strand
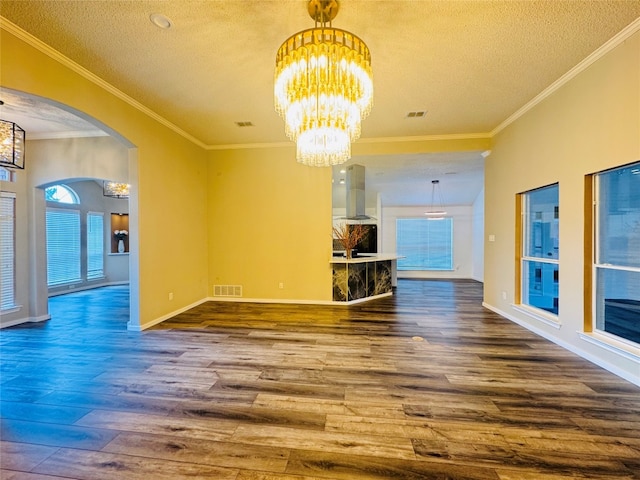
[{"x": 323, "y": 90}]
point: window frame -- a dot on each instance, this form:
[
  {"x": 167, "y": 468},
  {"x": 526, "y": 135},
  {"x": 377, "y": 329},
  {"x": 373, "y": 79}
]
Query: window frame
[
  {"x": 523, "y": 257},
  {"x": 593, "y": 262}
]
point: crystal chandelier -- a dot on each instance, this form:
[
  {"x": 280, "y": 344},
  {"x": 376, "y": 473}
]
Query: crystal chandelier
[
  {"x": 323, "y": 88},
  {"x": 12, "y": 139},
  {"x": 115, "y": 189}
]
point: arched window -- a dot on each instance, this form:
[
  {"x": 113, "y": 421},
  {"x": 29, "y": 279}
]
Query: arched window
[{"x": 62, "y": 194}]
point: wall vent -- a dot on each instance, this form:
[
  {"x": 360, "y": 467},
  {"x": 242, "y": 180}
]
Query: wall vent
[{"x": 227, "y": 290}]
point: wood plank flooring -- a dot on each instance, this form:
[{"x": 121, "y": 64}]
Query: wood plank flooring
[{"x": 422, "y": 385}]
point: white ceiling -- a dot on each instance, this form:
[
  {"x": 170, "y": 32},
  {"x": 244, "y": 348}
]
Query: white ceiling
[{"x": 469, "y": 64}]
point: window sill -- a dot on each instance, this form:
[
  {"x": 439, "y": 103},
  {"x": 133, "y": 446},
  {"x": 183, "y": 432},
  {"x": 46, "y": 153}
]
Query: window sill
[
  {"x": 13, "y": 309},
  {"x": 611, "y": 344},
  {"x": 537, "y": 314},
  {"x": 116, "y": 254}
]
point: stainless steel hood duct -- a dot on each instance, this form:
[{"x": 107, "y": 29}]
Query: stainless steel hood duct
[{"x": 355, "y": 184}]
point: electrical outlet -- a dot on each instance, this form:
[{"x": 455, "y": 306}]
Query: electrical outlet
[
  {"x": 504, "y": 295},
  {"x": 281, "y": 285},
  {"x": 170, "y": 295}
]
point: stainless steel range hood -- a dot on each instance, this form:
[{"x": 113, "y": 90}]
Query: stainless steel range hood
[{"x": 355, "y": 184}]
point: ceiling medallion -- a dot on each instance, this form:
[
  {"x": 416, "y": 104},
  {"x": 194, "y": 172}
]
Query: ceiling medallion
[{"x": 323, "y": 88}]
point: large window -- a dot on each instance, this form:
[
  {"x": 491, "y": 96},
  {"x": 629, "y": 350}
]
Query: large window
[
  {"x": 539, "y": 252},
  {"x": 617, "y": 252},
  {"x": 7, "y": 250},
  {"x": 63, "y": 246},
  {"x": 95, "y": 245},
  {"x": 425, "y": 244}
]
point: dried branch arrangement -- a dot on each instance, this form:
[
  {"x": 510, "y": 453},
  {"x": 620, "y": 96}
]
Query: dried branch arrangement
[{"x": 349, "y": 236}]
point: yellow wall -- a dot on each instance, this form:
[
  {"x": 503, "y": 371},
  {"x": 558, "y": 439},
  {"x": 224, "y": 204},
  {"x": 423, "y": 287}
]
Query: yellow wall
[
  {"x": 269, "y": 223},
  {"x": 171, "y": 173},
  {"x": 590, "y": 124}
]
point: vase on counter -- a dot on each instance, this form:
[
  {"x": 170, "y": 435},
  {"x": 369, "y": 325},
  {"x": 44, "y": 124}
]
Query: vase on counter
[{"x": 121, "y": 246}]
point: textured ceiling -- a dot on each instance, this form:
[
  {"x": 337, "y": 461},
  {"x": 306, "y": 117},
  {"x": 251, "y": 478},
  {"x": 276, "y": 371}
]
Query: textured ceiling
[{"x": 469, "y": 64}]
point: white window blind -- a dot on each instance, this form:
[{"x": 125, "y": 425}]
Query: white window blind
[
  {"x": 7, "y": 250},
  {"x": 425, "y": 244},
  {"x": 63, "y": 246},
  {"x": 95, "y": 245}
]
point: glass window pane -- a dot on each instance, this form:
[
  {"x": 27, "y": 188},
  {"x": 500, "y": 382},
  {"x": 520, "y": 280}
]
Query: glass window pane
[
  {"x": 61, "y": 194},
  {"x": 619, "y": 217},
  {"x": 541, "y": 223},
  {"x": 540, "y": 285},
  {"x": 618, "y": 303},
  {"x": 425, "y": 244}
]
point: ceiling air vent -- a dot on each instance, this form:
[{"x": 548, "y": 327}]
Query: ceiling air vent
[
  {"x": 244, "y": 124},
  {"x": 420, "y": 114}
]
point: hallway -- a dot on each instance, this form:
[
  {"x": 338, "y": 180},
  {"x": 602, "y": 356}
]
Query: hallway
[{"x": 426, "y": 384}]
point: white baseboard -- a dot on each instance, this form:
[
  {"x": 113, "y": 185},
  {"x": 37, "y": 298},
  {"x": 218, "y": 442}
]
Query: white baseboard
[
  {"x": 139, "y": 328},
  {"x": 296, "y": 301},
  {"x": 87, "y": 287},
  {"x": 18, "y": 321},
  {"x": 635, "y": 379}
]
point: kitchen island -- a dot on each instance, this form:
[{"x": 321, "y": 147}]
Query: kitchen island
[{"x": 364, "y": 277}]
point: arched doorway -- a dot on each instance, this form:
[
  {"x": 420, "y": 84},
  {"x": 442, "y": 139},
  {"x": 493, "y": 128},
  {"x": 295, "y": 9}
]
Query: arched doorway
[{"x": 63, "y": 144}]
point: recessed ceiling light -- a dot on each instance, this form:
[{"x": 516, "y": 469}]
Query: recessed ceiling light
[
  {"x": 160, "y": 21},
  {"x": 342, "y": 181}
]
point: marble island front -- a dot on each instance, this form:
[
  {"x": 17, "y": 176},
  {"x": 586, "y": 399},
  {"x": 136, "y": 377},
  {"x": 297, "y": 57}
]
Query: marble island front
[{"x": 364, "y": 277}]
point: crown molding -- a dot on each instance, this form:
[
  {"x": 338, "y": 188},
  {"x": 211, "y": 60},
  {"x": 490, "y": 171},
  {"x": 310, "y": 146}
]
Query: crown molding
[
  {"x": 612, "y": 43},
  {"x": 245, "y": 146},
  {"x": 38, "y": 44},
  {"x": 427, "y": 138},
  {"x": 419, "y": 138},
  {"x": 18, "y": 32}
]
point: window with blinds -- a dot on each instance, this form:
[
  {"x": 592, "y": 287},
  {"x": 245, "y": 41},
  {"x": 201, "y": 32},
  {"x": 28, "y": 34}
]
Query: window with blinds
[
  {"x": 63, "y": 246},
  {"x": 616, "y": 265},
  {"x": 95, "y": 245},
  {"x": 425, "y": 244},
  {"x": 7, "y": 250}
]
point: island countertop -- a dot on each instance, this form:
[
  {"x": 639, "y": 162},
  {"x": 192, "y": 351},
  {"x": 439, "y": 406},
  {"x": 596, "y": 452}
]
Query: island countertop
[{"x": 363, "y": 257}]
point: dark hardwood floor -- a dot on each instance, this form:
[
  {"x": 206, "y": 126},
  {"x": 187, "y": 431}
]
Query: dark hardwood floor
[{"x": 422, "y": 385}]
